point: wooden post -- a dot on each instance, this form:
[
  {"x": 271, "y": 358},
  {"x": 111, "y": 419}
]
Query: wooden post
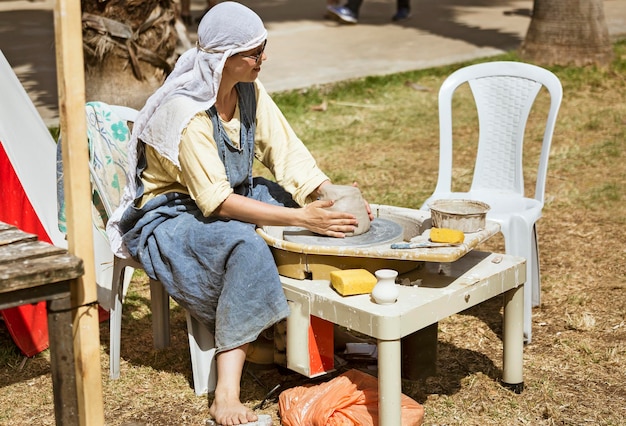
[{"x": 71, "y": 82}]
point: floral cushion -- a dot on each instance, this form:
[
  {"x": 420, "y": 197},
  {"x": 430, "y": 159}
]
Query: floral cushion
[{"x": 107, "y": 136}]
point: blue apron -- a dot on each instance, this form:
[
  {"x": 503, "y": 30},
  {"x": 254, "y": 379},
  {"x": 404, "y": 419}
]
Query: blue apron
[{"x": 220, "y": 270}]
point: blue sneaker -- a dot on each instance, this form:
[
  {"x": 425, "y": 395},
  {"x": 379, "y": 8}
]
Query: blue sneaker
[
  {"x": 342, "y": 14},
  {"x": 402, "y": 14}
]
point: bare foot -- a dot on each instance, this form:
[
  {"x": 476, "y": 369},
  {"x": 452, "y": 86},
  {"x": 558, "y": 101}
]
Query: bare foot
[
  {"x": 231, "y": 411},
  {"x": 227, "y": 409}
]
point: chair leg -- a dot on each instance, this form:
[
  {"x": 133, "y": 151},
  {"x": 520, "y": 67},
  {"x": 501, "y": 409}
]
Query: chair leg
[
  {"x": 201, "y": 340},
  {"x": 202, "y": 349},
  {"x": 160, "y": 305},
  {"x": 115, "y": 318},
  {"x": 535, "y": 274},
  {"x": 519, "y": 241}
]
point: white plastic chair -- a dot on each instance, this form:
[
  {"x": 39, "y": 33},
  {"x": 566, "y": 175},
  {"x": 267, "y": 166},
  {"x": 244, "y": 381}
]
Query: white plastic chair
[
  {"x": 504, "y": 93},
  {"x": 108, "y": 172}
]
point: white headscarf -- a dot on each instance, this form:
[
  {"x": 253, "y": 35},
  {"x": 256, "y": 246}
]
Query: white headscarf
[{"x": 226, "y": 29}]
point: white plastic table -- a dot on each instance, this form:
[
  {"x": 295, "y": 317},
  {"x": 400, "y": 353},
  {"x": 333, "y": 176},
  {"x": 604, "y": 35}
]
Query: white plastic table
[{"x": 475, "y": 278}]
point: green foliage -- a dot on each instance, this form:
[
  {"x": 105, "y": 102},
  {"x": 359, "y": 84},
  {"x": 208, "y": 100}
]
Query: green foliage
[{"x": 55, "y": 132}]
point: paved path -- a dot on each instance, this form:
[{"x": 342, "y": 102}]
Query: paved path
[{"x": 304, "y": 49}]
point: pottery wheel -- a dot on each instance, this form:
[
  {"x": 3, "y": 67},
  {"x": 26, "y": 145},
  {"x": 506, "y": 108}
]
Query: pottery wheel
[{"x": 382, "y": 231}]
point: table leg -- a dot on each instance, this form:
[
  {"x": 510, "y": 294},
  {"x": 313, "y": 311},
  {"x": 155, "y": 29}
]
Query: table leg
[
  {"x": 389, "y": 383},
  {"x": 62, "y": 369},
  {"x": 513, "y": 339}
]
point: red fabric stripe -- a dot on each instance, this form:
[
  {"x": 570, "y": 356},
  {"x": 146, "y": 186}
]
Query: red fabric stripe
[{"x": 27, "y": 324}]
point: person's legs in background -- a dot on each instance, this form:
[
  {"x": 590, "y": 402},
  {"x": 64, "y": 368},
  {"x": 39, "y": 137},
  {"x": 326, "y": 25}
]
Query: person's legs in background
[
  {"x": 185, "y": 11},
  {"x": 209, "y": 5},
  {"x": 347, "y": 14},
  {"x": 403, "y": 10}
]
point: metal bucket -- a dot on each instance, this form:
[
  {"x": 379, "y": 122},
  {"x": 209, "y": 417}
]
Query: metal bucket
[{"x": 463, "y": 215}]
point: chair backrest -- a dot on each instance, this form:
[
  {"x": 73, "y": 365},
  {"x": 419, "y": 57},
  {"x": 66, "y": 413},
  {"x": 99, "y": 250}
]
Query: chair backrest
[
  {"x": 108, "y": 135},
  {"x": 107, "y": 138},
  {"x": 504, "y": 93}
]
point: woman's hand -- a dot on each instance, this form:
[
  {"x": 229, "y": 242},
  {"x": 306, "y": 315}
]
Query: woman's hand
[
  {"x": 318, "y": 193},
  {"x": 317, "y": 218}
]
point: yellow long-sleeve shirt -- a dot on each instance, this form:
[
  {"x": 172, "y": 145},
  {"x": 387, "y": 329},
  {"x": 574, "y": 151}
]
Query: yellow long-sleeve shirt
[{"x": 202, "y": 174}]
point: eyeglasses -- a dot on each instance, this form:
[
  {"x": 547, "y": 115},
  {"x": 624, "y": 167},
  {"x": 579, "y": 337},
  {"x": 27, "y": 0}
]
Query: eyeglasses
[{"x": 256, "y": 58}]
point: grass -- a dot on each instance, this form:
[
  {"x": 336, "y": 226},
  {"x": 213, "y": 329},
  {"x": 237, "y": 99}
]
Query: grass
[{"x": 383, "y": 133}]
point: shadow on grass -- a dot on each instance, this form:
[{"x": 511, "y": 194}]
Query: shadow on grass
[
  {"x": 137, "y": 350},
  {"x": 137, "y": 347},
  {"x": 14, "y": 366},
  {"x": 453, "y": 363}
]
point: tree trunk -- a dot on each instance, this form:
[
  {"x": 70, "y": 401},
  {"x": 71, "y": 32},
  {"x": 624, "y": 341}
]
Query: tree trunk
[
  {"x": 130, "y": 46},
  {"x": 568, "y": 32}
]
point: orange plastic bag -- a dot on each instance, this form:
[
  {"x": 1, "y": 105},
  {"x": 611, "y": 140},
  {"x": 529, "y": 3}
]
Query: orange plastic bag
[{"x": 347, "y": 400}]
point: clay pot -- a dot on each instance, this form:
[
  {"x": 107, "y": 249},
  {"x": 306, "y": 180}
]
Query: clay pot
[{"x": 348, "y": 199}]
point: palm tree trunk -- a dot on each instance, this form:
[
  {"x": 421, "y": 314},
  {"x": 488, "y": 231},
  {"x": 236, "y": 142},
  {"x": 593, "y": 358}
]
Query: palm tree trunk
[
  {"x": 568, "y": 32},
  {"x": 130, "y": 46}
]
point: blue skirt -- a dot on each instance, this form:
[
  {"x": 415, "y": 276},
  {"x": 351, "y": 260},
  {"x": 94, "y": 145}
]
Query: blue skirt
[{"x": 220, "y": 270}]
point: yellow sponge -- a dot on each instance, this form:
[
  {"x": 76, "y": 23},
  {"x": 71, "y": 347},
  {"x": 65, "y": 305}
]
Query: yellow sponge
[
  {"x": 349, "y": 282},
  {"x": 445, "y": 235}
]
